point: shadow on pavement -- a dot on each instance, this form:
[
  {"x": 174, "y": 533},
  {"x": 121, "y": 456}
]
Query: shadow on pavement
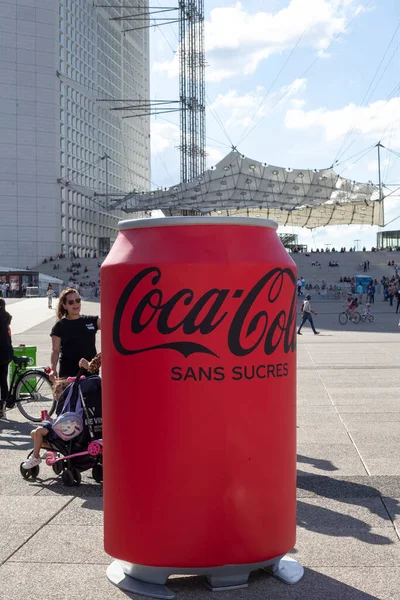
[
  {"x": 318, "y": 463},
  {"x": 261, "y": 585},
  {"x": 327, "y": 522},
  {"x": 15, "y": 435}
]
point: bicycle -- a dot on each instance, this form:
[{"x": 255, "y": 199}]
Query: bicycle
[
  {"x": 31, "y": 390},
  {"x": 344, "y": 317},
  {"x": 367, "y": 317}
]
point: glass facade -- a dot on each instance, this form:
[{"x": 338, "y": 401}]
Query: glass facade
[
  {"x": 388, "y": 239},
  {"x": 96, "y": 62}
]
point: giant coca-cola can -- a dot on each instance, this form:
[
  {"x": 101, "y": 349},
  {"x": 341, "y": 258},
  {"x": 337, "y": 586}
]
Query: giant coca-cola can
[{"x": 199, "y": 393}]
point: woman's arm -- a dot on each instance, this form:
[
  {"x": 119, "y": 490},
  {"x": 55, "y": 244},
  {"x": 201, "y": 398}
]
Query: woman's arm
[
  {"x": 98, "y": 323},
  {"x": 55, "y": 353}
]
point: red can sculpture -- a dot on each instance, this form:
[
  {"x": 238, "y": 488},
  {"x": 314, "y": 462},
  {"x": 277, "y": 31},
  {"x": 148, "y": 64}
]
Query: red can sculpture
[{"x": 199, "y": 401}]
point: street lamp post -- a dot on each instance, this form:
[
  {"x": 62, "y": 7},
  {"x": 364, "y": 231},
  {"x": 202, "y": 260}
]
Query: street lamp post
[{"x": 357, "y": 242}]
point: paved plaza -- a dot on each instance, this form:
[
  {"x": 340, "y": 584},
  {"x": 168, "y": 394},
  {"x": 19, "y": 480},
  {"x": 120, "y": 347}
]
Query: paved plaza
[{"x": 51, "y": 538}]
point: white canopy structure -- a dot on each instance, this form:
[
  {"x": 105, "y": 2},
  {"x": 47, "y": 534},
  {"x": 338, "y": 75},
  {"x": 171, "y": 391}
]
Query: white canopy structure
[{"x": 240, "y": 186}]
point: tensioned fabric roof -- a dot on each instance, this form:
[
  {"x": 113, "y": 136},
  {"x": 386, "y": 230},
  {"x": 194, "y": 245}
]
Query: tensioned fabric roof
[{"x": 240, "y": 186}]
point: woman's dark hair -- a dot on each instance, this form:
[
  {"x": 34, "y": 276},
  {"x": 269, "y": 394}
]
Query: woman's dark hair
[
  {"x": 61, "y": 311},
  {"x": 5, "y": 317}
]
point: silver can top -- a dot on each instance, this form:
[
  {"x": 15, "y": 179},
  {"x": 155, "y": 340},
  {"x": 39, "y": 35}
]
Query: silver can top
[{"x": 177, "y": 221}]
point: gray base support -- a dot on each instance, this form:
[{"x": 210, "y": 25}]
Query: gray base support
[
  {"x": 150, "y": 581},
  {"x": 118, "y": 577},
  {"x": 287, "y": 570}
]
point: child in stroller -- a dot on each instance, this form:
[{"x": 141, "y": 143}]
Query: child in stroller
[{"x": 72, "y": 446}]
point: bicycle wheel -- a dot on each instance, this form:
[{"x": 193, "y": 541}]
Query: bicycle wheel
[
  {"x": 343, "y": 318},
  {"x": 371, "y": 318},
  {"x": 34, "y": 394},
  {"x": 356, "y": 317}
]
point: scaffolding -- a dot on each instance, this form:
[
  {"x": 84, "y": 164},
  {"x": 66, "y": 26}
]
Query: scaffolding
[{"x": 137, "y": 15}]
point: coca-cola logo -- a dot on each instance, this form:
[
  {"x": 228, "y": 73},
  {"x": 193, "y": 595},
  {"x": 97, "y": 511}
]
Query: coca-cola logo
[{"x": 187, "y": 314}]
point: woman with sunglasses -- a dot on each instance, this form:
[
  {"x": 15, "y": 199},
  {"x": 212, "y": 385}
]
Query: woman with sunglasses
[{"x": 73, "y": 336}]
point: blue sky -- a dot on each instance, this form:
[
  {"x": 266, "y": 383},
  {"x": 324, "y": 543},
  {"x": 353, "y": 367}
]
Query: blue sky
[{"x": 313, "y": 114}]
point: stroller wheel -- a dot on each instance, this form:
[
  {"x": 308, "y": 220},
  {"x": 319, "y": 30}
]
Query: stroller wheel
[
  {"x": 26, "y": 473},
  {"x": 97, "y": 473},
  {"x": 35, "y": 471},
  {"x": 77, "y": 476},
  {"x": 67, "y": 478},
  {"x": 58, "y": 467}
]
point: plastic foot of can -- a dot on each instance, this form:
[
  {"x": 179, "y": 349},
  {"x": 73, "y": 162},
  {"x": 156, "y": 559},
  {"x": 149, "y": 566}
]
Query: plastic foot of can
[
  {"x": 118, "y": 577},
  {"x": 226, "y": 583},
  {"x": 287, "y": 569}
]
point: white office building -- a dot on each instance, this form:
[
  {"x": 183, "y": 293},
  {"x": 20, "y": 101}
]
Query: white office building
[{"x": 63, "y": 151}]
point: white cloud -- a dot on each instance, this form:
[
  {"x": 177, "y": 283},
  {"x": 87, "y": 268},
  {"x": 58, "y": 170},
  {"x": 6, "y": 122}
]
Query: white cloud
[
  {"x": 373, "y": 166},
  {"x": 298, "y": 103},
  {"x": 214, "y": 156},
  {"x": 239, "y": 109},
  {"x": 375, "y": 121},
  {"x": 163, "y": 136},
  {"x": 237, "y": 41}
]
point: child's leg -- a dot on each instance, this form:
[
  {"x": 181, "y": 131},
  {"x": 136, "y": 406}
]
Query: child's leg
[{"x": 37, "y": 435}]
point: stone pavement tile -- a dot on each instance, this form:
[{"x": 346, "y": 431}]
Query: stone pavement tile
[
  {"x": 313, "y": 398},
  {"x": 354, "y": 394},
  {"x": 374, "y": 407},
  {"x": 376, "y": 433},
  {"x": 15, "y": 436},
  {"x": 341, "y": 487},
  {"x": 347, "y": 360},
  {"x": 320, "y": 458},
  {"x": 12, "y": 458},
  {"x": 24, "y": 319},
  {"x": 72, "y": 544},
  {"x": 28, "y": 509},
  {"x": 14, "y": 535},
  {"x": 393, "y": 507},
  {"x": 349, "y": 583},
  {"x": 306, "y": 417},
  {"x": 81, "y": 511},
  {"x": 87, "y": 489},
  {"x": 317, "y": 584},
  {"x": 318, "y": 409},
  {"x": 363, "y": 378},
  {"x": 89, "y": 582},
  {"x": 55, "y": 581},
  {"x": 308, "y": 377},
  {"x": 382, "y": 464},
  {"x": 381, "y": 449},
  {"x": 322, "y": 514},
  {"x": 335, "y": 432},
  {"x": 378, "y": 546},
  {"x": 362, "y": 420},
  {"x": 13, "y": 484}
]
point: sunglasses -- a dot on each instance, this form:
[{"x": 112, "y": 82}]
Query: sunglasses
[{"x": 72, "y": 302}]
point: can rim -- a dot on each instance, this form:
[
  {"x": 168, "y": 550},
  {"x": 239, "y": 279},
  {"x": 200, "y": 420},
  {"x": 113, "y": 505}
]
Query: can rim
[{"x": 177, "y": 221}]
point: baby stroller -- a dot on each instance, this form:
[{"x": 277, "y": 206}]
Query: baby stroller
[{"x": 69, "y": 458}]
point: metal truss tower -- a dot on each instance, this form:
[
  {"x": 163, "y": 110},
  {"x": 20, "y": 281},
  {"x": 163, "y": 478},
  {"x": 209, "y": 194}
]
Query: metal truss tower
[
  {"x": 138, "y": 14},
  {"x": 192, "y": 88}
]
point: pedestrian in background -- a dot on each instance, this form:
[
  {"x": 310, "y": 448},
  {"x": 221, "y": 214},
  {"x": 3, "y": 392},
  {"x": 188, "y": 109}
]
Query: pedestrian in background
[
  {"x": 372, "y": 293},
  {"x": 391, "y": 292},
  {"x": 6, "y": 353},
  {"x": 307, "y": 312},
  {"x": 50, "y": 295},
  {"x": 299, "y": 287},
  {"x": 359, "y": 290}
]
